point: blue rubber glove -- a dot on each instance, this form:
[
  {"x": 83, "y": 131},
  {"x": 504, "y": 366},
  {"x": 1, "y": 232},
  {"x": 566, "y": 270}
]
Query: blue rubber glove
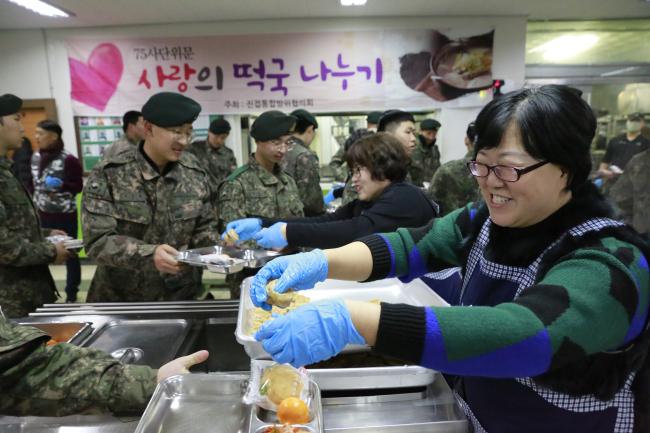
[
  {"x": 52, "y": 182},
  {"x": 271, "y": 237},
  {"x": 297, "y": 272},
  {"x": 311, "y": 333},
  {"x": 330, "y": 196},
  {"x": 245, "y": 228}
]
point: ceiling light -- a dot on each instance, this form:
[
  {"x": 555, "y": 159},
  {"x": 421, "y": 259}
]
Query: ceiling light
[
  {"x": 566, "y": 46},
  {"x": 42, "y": 8},
  {"x": 353, "y": 2}
]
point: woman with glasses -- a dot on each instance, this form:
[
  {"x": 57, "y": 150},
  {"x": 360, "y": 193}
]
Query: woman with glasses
[
  {"x": 379, "y": 165},
  {"x": 548, "y": 332}
]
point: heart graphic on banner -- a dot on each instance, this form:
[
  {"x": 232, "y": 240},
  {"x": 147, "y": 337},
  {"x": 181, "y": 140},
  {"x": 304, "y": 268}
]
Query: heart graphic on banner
[{"x": 95, "y": 83}]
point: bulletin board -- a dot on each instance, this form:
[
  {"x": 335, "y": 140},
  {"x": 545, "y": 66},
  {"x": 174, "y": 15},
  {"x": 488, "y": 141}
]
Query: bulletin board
[{"x": 96, "y": 133}]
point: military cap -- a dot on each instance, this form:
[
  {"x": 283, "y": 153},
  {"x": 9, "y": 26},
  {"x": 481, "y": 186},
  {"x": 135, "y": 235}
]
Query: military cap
[
  {"x": 635, "y": 117},
  {"x": 305, "y": 116},
  {"x": 220, "y": 126},
  {"x": 389, "y": 116},
  {"x": 170, "y": 109},
  {"x": 10, "y": 104},
  {"x": 373, "y": 117},
  {"x": 271, "y": 125},
  {"x": 429, "y": 125}
]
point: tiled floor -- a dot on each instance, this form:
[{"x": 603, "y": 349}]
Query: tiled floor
[{"x": 211, "y": 280}]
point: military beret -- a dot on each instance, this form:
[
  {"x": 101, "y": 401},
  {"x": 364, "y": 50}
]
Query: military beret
[
  {"x": 219, "y": 126},
  {"x": 10, "y": 104},
  {"x": 429, "y": 125},
  {"x": 389, "y": 116},
  {"x": 373, "y": 117},
  {"x": 305, "y": 116},
  {"x": 170, "y": 109},
  {"x": 271, "y": 125},
  {"x": 635, "y": 117}
]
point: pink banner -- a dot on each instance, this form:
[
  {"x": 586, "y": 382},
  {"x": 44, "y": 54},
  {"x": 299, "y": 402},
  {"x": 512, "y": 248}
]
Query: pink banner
[{"x": 322, "y": 72}]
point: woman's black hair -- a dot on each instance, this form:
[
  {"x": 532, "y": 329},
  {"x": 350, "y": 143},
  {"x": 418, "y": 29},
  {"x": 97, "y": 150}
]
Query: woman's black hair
[
  {"x": 554, "y": 122},
  {"x": 382, "y": 154}
]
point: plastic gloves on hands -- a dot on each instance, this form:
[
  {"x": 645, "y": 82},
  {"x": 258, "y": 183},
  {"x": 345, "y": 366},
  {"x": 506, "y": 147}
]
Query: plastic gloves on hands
[
  {"x": 297, "y": 272},
  {"x": 52, "y": 182},
  {"x": 311, "y": 333},
  {"x": 331, "y": 195},
  {"x": 271, "y": 237},
  {"x": 245, "y": 228}
]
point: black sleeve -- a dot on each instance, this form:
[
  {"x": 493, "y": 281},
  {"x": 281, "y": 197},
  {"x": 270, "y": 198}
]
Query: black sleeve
[
  {"x": 609, "y": 152},
  {"x": 344, "y": 212}
]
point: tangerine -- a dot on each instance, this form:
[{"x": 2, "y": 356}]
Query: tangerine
[{"x": 292, "y": 410}]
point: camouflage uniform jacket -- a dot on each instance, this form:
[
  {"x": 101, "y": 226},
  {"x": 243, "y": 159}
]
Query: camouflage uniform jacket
[
  {"x": 253, "y": 191},
  {"x": 453, "y": 186},
  {"x": 218, "y": 163},
  {"x": 128, "y": 209},
  {"x": 339, "y": 166},
  {"x": 120, "y": 145},
  {"x": 25, "y": 280},
  {"x": 425, "y": 160},
  {"x": 64, "y": 379},
  {"x": 631, "y": 192},
  {"x": 59, "y": 200},
  {"x": 302, "y": 165}
]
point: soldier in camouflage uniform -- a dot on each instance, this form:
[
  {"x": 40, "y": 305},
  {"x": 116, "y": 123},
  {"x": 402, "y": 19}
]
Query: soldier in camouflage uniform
[
  {"x": 133, "y": 128},
  {"x": 631, "y": 193},
  {"x": 142, "y": 206},
  {"x": 425, "y": 159},
  {"x": 261, "y": 188},
  {"x": 337, "y": 163},
  {"x": 217, "y": 159},
  {"x": 25, "y": 279},
  {"x": 64, "y": 379},
  {"x": 302, "y": 164},
  {"x": 452, "y": 185}
]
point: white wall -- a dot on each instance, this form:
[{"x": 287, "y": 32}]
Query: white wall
[{"x": 26, "y": 54}]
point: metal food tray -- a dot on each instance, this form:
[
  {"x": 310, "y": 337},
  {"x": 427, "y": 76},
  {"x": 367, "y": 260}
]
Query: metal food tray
[
  {"x": 391, "y": 290},
  {"x": 213, "y": 403},
  {"x": 251, "y": 258},
  {"x": 196, "y": 257},
  {"x": 70, "y": 332},
  {"x": 405, "y": 376},
  {"x": 143, "y": 342}
]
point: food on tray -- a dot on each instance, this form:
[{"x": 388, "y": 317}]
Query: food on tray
[
  {"x": 215, "y": 258},
  {"x": 259, "y": 316},
  {"x": 473, "y": 62},
  {"x": 280, "y": 382},
  {"x": 293, "y": 410},
  {"x": 231, "y": 237},
  {"x": 282, "y": 300},
  {"x": 284, "y": 429}
]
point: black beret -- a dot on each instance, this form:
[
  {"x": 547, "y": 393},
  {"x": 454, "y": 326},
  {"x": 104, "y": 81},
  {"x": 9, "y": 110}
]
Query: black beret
[
  {"x": 389, "y": 116},
  {"x": 429, "y": 125},
  {"x": 220, "y": 126},
  {"x": 271, "y": 125},
  {"x": 635, "y": 117},
  {"x": 373, "y": 117},
  {"x": 305, "y": 116},
  {"x": 170, "y": 109},
  {"x": 10, "y": 104}
]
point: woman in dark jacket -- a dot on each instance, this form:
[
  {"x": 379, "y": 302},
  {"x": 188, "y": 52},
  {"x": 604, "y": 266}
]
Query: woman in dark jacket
[
  {"x": 57, "y": 181},
  {"x": 379, "y": 166}
]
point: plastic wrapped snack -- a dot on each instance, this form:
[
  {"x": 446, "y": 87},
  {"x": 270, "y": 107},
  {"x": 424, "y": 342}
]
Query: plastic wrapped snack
[{"x": 271, "y": 383}]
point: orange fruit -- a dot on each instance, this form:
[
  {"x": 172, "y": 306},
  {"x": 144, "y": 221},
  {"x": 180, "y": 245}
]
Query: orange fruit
[{"x": 292, "y": 410}]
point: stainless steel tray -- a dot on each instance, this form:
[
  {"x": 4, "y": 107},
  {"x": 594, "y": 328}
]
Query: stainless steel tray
[
  {"x": 152, "y": 342},
  {"x": 204, "y": 257},
  {"x": 69, "y": 242},
  {"x": 251, "y": 258},
  {"x": 212, "y": 403},
  {"x": 405, "y": 376},
  {"x": 69, "y": 332},
  {"x": 391, "y": 290}
]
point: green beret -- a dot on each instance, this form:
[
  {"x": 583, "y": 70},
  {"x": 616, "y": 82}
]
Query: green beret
[
  {"x": 10, "y": 104},
  {"x": 271, "y": 125},
  {"x": 429, "y": 125},
  {"x": 220, "y": 126},
  {"x": 305, "y": 116},
  {"x": 373, "y": 117},
  {"x": 170, "y": 109}
]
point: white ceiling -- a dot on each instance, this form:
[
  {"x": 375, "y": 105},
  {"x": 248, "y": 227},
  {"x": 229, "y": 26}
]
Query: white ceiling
[{"x": 93, "y": 13}]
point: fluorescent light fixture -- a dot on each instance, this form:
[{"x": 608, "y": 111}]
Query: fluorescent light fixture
[
  {"x": 353, "y": 2},
  {"x": 566, "y": 46},
  {"x": 42, "y": 8}
]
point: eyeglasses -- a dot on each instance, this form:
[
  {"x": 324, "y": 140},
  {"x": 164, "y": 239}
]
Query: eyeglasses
[
  {"x": 181, "y": 135},
  {"x": 503, "y": 172},
  {"x": 279, "y": 144},
  {"x": 356, "y": 170}
]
